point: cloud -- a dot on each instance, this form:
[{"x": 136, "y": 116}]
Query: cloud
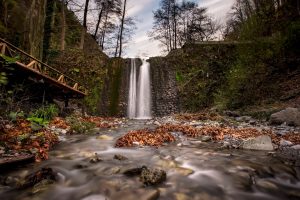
[{"x": 143, "y": 11}]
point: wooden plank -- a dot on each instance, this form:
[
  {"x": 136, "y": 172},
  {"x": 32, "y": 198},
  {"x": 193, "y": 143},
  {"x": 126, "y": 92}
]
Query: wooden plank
[{"x": 51, "y": 80}]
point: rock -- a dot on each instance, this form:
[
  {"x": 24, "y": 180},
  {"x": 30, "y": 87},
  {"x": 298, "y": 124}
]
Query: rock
[
  {"x": 134, "y": 171},
  {"x": 114, "y": 170},
  {"x": 266, "y": 185},
  {"x": 157, "y": 123},
  {"x": 140, "y": 194},
  {"x": 104, "y": 137},
  {"x": 243, "y": 119},
  {"x": 42, "y": 186},
  {"x": 263, "y": 142},
  {"x": 184, "y": 171},
  {"x": 152, "y": 176},
  {"x": 2, "y": 150},
  {"x": 290, "y": 116},
  {"x": 94, "y": 197},
  {"x": 136, "y": 143},
  {"x": 296, "y": 147},
  {"x": 285, "y": 143},
  {"x": 181, "y": 196},
  {"x": 40, "y": 175},
  {"x": 95, "y": 159},
  {"x": 120, "y": 157},
  {"x": 206, "y": 138},
  {"x": 231, "y": 113}
]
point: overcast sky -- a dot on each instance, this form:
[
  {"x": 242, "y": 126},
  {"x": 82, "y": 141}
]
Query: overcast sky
[{"x": 142, "y": 10}]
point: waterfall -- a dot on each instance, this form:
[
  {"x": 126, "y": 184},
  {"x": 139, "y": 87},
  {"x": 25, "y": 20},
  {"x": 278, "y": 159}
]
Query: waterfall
[
  {"x": 139, "y": 97},
  {"x": 132, "y": 91}
]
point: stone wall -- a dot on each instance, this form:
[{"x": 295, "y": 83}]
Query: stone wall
[{"x": 164, "y": 89}]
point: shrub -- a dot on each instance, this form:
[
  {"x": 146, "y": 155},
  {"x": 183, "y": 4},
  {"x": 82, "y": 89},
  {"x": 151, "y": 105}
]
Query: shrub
[{"x": 79, "y": 126}]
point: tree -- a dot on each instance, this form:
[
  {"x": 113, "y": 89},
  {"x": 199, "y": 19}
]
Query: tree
[
  {"x": 122, "y": 28},
  {"x": 64, "y": 24},
  {"x": 175, "y": 24},
  {"x": 84, "y": 30}
]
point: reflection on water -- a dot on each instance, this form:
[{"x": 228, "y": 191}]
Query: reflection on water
[{"x": 194, "y": 171}]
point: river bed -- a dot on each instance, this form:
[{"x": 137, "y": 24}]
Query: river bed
[{"x": 195, "y": 170}]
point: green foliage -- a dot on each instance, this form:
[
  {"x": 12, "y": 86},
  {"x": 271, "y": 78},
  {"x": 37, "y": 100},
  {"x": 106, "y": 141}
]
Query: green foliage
[
  {"x": 47, "y": 112},
  {"x": 247, "y": 80},
  {"x": 9, "y": 60},
  {"x": 3, "y": 78},
  {"x": 41, "y": 117},
  {"x": 179, "y": 77},
  {"x": 13, "y": 116},
  {"x": 79, "y": 126}
]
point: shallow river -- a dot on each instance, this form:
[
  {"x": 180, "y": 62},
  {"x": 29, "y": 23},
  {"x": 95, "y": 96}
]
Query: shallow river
[{"x": 195, "y": 170}]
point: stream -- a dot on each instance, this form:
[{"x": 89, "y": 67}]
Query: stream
[{"x": 195, "y": 170}]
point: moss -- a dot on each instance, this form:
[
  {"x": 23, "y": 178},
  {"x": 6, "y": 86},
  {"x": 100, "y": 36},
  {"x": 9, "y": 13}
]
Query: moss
[{"x": 115, "y": 90}]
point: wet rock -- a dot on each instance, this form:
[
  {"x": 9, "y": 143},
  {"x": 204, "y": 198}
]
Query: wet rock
[
  {"x": 94, "y": 197},
  {"x": 42, "y": 186},
  {"x": 263, "y": 142},
  {"x": 42, "y": 174},
  {"x": 140, "y": 194},
  {"x": 114, "y": 170},
  {"x": 206, "y": 138},
  {"x": 266, "y": 185},
  {"x": 290, "y": 116},
  {"x": 285, "y": 143},
  {"x": 290, "y": 155},
  {"x": 120, "y": 157},
  {"x": 296, "y": 147},
  {"x": 152, "y": 176},
  {"x": 184, "y": 171},
  {"x": 134, "y": 171},
  {"x": 80, "y": 166},
  {"x": 104, "y": 137},
  {"x": 231, "y": 142},
  {"x": 181, "y": 196},
  {"x": 95, "y": 159}
]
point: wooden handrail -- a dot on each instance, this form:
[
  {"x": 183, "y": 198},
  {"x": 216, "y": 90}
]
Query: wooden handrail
[{"x": 42, "y": 63}]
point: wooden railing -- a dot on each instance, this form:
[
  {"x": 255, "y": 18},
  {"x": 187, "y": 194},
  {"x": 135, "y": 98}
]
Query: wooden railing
[{"x": 38, "y": 66}]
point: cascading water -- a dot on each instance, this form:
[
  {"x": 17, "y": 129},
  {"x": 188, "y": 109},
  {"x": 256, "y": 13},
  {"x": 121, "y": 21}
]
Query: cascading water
[
  {"x": 139, "y": 101},
  {"x": 132, "y": 91}
]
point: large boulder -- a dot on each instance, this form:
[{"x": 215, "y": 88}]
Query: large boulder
[
  {"x": 290, "y": 116},
  {"x": 262, "y": 142}
]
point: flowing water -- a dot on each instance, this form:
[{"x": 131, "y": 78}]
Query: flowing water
[
  {"x": 139, "y": 97},
  {"x": 195, "y": 170},
  {"x": 132, "y": 90}
]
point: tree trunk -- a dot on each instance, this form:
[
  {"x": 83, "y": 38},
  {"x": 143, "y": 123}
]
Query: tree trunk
[
  {"x": 117, "y": 46},
  {"x": 84, "y": 29},
  {"x": 122, "y": 27},
  {"x": 5, "y": 14},
  {"x": 175, "y": 25},
  {"x": 104, "y": 31},
  {"x": 169, "y": 26},
  {"x": 63, "y": 28},
  {"x": 98, "y": 23}
]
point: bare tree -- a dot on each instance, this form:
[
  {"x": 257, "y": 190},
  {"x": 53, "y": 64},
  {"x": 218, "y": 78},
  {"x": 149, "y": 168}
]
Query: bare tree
[{"x": 84, "y": 30}]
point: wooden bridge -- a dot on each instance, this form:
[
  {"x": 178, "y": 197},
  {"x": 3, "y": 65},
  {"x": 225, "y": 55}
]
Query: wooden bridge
[{"x": 61, "y": 84}]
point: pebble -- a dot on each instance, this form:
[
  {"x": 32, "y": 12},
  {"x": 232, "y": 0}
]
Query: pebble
[
  {"x": 285, "y": 143},
  {"x": 104, "y": 137}
]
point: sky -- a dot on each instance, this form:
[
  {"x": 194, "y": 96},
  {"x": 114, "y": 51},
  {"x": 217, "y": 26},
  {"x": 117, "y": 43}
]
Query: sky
[{"x": 142, "y": 10}]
